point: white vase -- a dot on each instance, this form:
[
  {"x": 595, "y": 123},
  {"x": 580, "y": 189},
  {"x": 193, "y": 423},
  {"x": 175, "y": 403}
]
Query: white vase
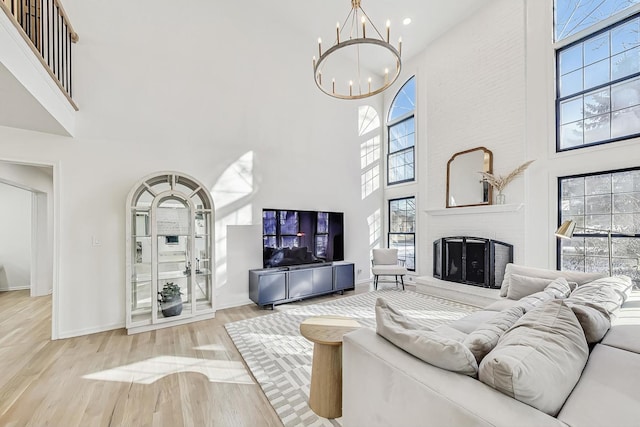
[{"x": 501, "y": 199}]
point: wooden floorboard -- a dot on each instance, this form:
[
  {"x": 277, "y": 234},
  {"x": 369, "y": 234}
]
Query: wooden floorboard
[{"x": 54, "y": 383}]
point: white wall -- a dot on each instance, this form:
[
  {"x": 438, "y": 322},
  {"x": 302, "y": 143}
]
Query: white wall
[
  {"x": 15, "y": 237},
  {"x": 490, "y": 82},
  {"x": 164, "y": 88}
]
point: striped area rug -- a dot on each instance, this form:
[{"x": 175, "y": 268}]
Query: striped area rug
[{"x": 280, "y": 358}]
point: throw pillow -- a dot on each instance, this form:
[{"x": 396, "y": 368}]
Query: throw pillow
[
  {"x": 622, "y": 285},
  {"x": 594, "y": 319},
  {"x": 485, "y": 337},
  {"x": 578, "y": 277},
  {"x": 595, "y": 293},
  {"x": 522, "y": 286},
  {"x": 540, "y": 359},
  {"x": 430, "y": 346},
  {"x": 560, "y": 288},
  {"x": 534, "y": 300}
]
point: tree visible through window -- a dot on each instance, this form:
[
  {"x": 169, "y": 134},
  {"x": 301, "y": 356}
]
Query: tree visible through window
[
  {"x": 401, "y": 125},
  {"x": 402, "y": 229},
  {"x": 602, "y": 201}
]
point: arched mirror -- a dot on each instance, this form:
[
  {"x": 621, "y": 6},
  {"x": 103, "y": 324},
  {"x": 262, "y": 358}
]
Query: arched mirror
[
  {"x": 465, "y": 186},
  {"x": 170, "y": 252}
]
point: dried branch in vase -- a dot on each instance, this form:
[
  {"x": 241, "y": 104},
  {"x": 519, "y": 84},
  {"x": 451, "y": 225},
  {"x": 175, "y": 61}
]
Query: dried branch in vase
[{"x": 499, "y": 182}]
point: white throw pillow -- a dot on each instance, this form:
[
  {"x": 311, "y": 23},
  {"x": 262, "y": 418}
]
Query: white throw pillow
[
  {"x": 522, "y": 286},
  {"x": 594, "y": 319},
  {"x": 485, "y": 337},
  {"x": 578, "y": 277},
  {"x": 430, "y": 346},
  {"x": 560, "y": 288},
  {"x": 540, "y": 359},
  {"x": 532, "y": 301},
  {"x": 599, "y": 294}
]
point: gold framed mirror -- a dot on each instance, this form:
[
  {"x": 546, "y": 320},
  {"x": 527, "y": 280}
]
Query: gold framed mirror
[{"x": 465, "y": 186}]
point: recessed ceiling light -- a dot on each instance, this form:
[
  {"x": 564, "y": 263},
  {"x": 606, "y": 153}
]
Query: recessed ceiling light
[{"x": 406, "y": 21}]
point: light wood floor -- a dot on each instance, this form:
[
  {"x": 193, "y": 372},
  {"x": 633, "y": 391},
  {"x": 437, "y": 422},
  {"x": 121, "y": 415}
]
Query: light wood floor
[{"x": 43, "y": 382}]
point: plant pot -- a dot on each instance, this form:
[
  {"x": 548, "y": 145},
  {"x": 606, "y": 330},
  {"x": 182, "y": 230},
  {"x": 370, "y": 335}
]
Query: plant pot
[{"x": 172, "y": 307}]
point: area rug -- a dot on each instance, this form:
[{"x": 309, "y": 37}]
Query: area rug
[{"x": 280, "y": 358}]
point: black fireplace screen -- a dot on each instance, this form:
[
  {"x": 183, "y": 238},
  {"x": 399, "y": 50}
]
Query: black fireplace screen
[{"x": 471, "y": 260}]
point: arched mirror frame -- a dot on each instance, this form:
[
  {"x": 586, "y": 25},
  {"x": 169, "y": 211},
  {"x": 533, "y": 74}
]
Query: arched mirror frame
[
  {"x": 196, "y": 230},
  {"x": 487, "y": 166}
]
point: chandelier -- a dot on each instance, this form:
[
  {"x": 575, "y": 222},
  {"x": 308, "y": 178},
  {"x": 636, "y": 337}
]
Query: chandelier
[{"x": 361, "y": 63}]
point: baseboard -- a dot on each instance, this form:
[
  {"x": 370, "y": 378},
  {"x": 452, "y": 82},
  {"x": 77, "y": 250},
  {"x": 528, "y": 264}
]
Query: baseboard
[
  {"x": 89, "y": 331},
  {"x": 16, "y": 288},
  {"x": 233, "y": 304}
]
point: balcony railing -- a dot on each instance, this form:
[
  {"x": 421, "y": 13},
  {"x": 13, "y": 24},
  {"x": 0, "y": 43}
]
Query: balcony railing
[{"x": 46, "y": 28}]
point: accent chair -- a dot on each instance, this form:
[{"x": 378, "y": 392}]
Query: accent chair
[{"x": 385, "y": 262}]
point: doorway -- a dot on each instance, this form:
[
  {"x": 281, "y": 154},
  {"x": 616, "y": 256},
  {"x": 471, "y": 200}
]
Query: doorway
[{"x": 27, "y": 226}]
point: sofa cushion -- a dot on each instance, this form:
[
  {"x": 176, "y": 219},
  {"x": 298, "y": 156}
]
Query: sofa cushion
[
  {"x": 470, "y": 322},
  {"x": 607, "y": 393},
  {"x": 578, "y": 277},
  {"x": 532, "y": 301},
  {"x": 521, "y": 286},
  {"x": 539, "y": 359},
  {"x": 560, "y": 288},
  {"x": 624, "y": 337},
  {"x": 598, "y": 293},
  {"x": 433, "y": 347},
  {"x": 501, "y": 304},
  {"x": 485, "y": 337},
  {"x": 595, "y": 321}
]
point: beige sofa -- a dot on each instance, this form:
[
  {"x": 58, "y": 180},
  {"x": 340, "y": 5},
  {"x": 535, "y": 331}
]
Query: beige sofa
[{"x": 383, "y": 385}]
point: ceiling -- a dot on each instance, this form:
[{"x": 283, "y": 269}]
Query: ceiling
[{"x": 429, "y": 18}]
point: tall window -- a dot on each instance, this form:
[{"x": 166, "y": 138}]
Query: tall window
[
  {"x": 598, "y": 203},
  {"x": 598, "y": 76},
  {"x": 402, "y": 229},
  {"x": 401, "y": 125}
]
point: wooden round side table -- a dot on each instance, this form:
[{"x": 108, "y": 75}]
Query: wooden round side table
[{"x": 325, "y": 395}]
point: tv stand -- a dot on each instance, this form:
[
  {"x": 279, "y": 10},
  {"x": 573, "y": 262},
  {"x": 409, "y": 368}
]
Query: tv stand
[{"x": 272, "y": 286}]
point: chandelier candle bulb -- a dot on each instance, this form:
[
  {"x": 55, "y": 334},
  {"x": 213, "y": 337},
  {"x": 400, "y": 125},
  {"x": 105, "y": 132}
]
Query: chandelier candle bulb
[
  {"x": 338, "y": 32},
  {"x": 386, "y": 75},
  {"x": 319, "y": 46},
  {"x": 388, "y": 29},
  {"x": 333, "y": 85},
  {"x": 400, "y": 46},
  {"x": 350, "y": 87},
  {"x": 364, "y": 33},
  {"x": 314, "y": 62}
]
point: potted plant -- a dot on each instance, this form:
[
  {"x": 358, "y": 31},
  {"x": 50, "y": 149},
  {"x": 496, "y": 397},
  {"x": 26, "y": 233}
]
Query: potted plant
[{"x": 170, "y": 299}]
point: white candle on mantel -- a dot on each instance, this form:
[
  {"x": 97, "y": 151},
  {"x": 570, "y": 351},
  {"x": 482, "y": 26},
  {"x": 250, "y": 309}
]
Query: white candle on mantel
[
  {"x": 388, "y": 29},
  {"x": 319, "y": 46}
]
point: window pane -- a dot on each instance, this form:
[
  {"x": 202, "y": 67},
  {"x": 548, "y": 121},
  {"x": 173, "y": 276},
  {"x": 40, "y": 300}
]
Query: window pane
[
  {"x": 269, "y": 222},
  {"x": 401, "y": 166},
  {"x": 401, "y": 135},
  {"x": 596, "y": 74},
  {"x": 625, "y": 64},
  {"x": 596, "y": 49},
  {"x": 598, "y": 204},
  {"x": 596, "y": 103},
  {"x": 571, "y": 83},
  {"x": 402, "y": 215},
  {"x": 570, "y": 59},
  {"x": 597, "y": 128},
  {"x": 405, "y": 100},
  {"x": 572, "y": 187},
  {"x": 625, "y": 94},
  {"x": 571, "y": 135},
  {"x": 572, "y": 16},
  {"x": 405, "y": 243},
  {"x": 571, "y": 110},
  {"x": 626, "y": 122},
  {"x": 626, "y": 182},
  {"x": 597, "y": 184},
  {"x": 288, "y": 222},
  {"x": 626, "y": 36}
]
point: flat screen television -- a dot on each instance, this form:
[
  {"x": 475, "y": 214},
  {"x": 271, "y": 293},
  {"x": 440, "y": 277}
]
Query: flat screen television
[{"x": 295, "y": 237}]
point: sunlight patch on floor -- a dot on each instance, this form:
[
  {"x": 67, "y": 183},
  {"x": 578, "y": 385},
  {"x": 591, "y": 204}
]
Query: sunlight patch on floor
[{"x": 151, "y": 370}]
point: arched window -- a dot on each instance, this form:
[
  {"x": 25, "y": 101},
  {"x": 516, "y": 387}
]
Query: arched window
[{"x": 401, "y": 126}]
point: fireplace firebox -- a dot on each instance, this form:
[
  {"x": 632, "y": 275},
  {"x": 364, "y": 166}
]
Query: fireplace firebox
[{"x": 471, "y": 260}]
